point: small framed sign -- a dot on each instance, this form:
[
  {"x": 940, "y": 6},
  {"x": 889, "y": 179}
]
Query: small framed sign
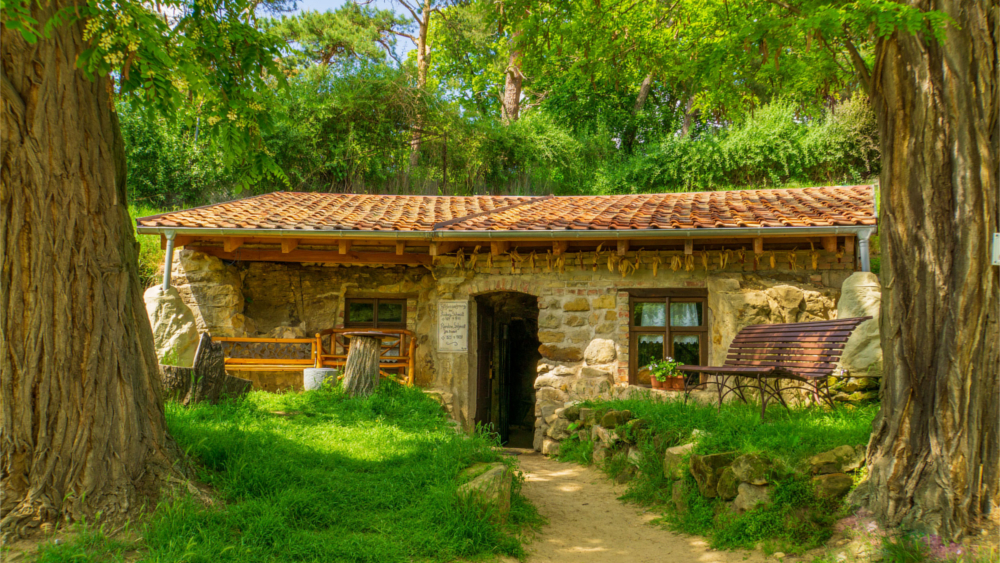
[
  {"x": 996, "y": 249},
  {"x": 453, "y": 326}
]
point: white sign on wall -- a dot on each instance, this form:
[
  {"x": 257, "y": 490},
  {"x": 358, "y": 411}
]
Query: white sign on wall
[{"x": 453, "y": 326}]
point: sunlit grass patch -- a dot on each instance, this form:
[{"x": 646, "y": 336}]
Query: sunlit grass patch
[{"x": 318, "y": 476}]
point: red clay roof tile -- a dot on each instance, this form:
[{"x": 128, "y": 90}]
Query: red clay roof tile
[{"x": 804, "y": 207}]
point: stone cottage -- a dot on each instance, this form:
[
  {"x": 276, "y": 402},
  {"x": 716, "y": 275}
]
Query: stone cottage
[{"x": 515, "y": 305}]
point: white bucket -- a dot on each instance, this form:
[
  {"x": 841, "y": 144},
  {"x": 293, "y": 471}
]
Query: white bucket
[{"x": 313, "y": 378}]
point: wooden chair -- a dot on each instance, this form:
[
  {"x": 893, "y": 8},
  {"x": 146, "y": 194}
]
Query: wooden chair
[{"x": 771, "y": 359}]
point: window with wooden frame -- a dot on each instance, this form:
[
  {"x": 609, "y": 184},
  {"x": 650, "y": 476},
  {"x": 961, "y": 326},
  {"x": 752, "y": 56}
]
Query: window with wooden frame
[
  {"x": 375, "y": 313},
  {"x": 668, "y": 323}
]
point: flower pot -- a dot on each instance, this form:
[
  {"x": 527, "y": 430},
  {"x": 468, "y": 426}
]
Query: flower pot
[
  {"x": 657, "y": 384},
  {"x": 674, "y": 383}
]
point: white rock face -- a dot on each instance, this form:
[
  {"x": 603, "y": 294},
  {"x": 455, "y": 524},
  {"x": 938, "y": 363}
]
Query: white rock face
[
  {"x": 174, "y": 329},
  {"x": 861, "y": 296}
]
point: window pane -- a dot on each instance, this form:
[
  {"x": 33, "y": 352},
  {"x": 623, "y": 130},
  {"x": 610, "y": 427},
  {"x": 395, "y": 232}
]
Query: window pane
[
  {"x": 687, "y": 349},
  {"x": 686, "y": 314},
  {"x": 361, "y": 312},
  {"x": 650, "y": 349},
  {"x": 650, "y": 314},
  {"x": 390, "y": 312}
]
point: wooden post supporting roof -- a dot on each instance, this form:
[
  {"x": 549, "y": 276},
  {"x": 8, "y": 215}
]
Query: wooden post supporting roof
[
  {"x": 288, "y": 245},
  {"x": 343, "y": 246},
  {"x": 758, "y": 245},
  {"x": 230, "y": 244},
  {"x": 499, "y": 247},
  {"x": 622, "y": 247}
]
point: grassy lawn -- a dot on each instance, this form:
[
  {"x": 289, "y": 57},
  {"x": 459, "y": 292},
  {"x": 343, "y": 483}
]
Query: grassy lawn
[
  {"x": 795, "y": 521},
  {"x": 345, "y": 480}
]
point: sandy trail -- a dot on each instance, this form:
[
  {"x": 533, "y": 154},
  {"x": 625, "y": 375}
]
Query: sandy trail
[{"x": 587, "y": 522}]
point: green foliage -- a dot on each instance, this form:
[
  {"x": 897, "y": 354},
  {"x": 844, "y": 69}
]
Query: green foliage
[
  {"x": 771, "y": 149},
  {"x": 370, "y": 479},
  {"x": 151, "y": 256},
  {"x": 905, "y": 549}
]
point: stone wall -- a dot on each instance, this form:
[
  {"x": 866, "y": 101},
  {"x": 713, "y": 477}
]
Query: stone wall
[{"x": 582, "y": 299}]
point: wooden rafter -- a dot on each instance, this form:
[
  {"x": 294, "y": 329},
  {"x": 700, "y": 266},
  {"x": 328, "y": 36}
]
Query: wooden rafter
[
  {"x": 288, "y": 245},
  {"x": 319, "y": 256},
  {"x": 230, "y": 244}
]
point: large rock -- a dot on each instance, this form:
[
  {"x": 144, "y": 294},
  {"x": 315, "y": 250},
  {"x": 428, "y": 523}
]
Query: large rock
[
  {"x": 175, "y": 331},
  {"x": 602, "y": 435},
  {"x": 206, "y": 381},
  {"x": 674, "y": 461},
  {"x": 560, "y": 354},
  {"x": 214, "y": 292},
  {"x": 559, "y": 429},
  {"x": 834, "y": 485},
  {"x": 600, "y": 351},
  {"x": 841, "y": 459},
  {"x": 614, "y": 419},
  {"x": 861, "y": 296},
  {"x": 729, "y": 484},
  {"x": 751, "y": 468},
  {"x": 488, "y": 485},
  {"x": 751, "y": 495},
  {"x": 576, "y": 305},
  {"x": 707, "y": 469}
]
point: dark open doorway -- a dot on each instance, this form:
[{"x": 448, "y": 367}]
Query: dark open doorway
[{"x": 507, "y": 364}]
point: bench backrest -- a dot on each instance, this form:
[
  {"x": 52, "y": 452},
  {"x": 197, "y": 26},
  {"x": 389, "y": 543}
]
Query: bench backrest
[{"x": 805, "y": 349}]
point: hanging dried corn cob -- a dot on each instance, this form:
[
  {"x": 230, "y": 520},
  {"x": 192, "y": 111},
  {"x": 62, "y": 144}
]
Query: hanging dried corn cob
[
  {"x": 597, "y": 256},
  {"x": 489, "y": 261},
  {"x": 814, "y": 254},
  {"x": 793, "y": 259},
  {"x": 741, "y": 254},
  {"x": 689, "y": 263},
  {"x": 459, "y": 260},
  {"x": 656, "y": 264},
  {"x": 704, "y": 259},
  {"x": 724, "y": 258},
  {"x": 548, "y": 260},
  {"x": 531, "y": 261},
  {"x": 561, "y": 264},
  {"x": 579, "y": 260},
  {"x": 625, "y": 267},
  {"x": 473, "y": 259},
  {"x": 771, "y": 259},
  {"x": 675, "y": 262}
]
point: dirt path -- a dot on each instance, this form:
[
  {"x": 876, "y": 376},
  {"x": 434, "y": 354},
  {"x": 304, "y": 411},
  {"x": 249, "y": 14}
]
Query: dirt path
[{"x": 587, "y": 522}]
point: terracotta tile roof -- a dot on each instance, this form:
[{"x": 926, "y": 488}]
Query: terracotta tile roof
[{"x": 804, "y": 207}]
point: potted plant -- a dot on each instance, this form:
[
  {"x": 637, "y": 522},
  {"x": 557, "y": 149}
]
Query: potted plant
[{"x": 663, "y": 374}]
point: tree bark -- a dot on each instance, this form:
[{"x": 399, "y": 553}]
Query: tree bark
[
  {"x": 83, "y": 425},
  {"x": 422, "y": 63},
  {"x": 640, "y": 101},
  {"x": 933, "y": 457},
  {"x": 361, "y": 368},
  {"x": 511, "y": 109}
]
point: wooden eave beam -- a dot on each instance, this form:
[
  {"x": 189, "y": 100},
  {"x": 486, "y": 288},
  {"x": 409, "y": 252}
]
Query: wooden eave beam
[
  {"x": 179, "y": 240},
  {"x": 230, "y": 244},
  {"x": 559, "y": 247},
  {"x": 343, "y": 246},
  {"x": 442, "y": 248},
  {"x": 499, "y": 247},
  {"x": 317, "y": 256},
  {"x": 288, "y": 245}
]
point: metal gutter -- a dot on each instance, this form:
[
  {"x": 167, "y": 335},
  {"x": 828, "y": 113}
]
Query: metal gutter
[{"x": 855, "y": 230}]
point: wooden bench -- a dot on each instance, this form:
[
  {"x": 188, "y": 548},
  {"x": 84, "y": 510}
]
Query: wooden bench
[
  {"x": 772, "y": 359},
  {"x": 328, "y": 349}
]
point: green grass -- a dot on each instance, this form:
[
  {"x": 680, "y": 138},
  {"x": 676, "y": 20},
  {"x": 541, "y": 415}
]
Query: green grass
[
  {"x": 352, "y": 480},
  {"x": 150, "y": 253},
  {"x": 794, "y": 522}
]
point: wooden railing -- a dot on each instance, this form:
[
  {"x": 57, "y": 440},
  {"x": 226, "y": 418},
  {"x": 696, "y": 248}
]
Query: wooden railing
[{"x": 328, "y": 349}]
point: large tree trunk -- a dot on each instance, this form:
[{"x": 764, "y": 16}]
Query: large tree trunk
[
  {"x": 422, "y": 64},
  {"x": 361, "y": 367},
  {"x": 640, "y": 102},
  {"x": 933, "y": 457},
  {"x": 83, "y": 426},
  {"x": 511, "y": 109}
]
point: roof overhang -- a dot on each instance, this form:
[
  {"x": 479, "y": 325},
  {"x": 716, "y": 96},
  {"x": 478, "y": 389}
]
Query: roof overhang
[{"x": 429, "y": 236}]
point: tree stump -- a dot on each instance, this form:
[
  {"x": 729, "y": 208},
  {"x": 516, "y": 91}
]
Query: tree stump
[{"x": 361, "y": 368}]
